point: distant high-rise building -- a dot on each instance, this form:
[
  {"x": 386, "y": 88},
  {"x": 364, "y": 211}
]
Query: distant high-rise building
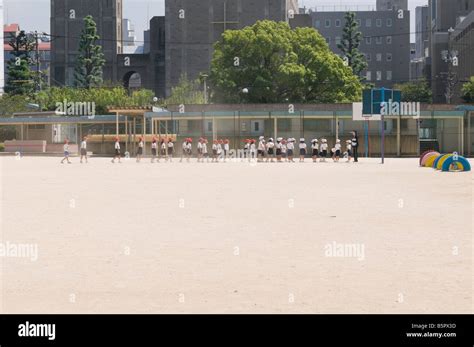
[
  {"x": 192, "y": 27},
  {"x": 128, "y": 33},
  {"x": 385, "y": 42},
  {"x": 2, "y": 63},
  {"x": 422, "y": 31},
  {"x": 389, "y": 5},
  {"x": 445, "y": 16},
  {"x": 66, "y": 26}
]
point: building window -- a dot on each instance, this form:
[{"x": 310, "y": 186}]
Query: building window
[
  {"x": 317, "y": 23},
  {"x": 359, "y": 22},
  {"x": 337, "y": 23},
  {"x": 389, "y": 22},
  {"x": 368, "y": 76},
  {"x": 368, "y": 56},
  {"x": 378, "y": 23},
  {"x": 379, "y": 75},
  {"x": 368, "y": 22},
  {"x": 256, "y": 126},
  {"x": 378, "y": 57},
  {"x": 209, "y": 126},
  {"x": 378, "y": 40},
  {"x": 389, "y": 75},
  {"x": 368, "y": 40},
  {"x": 338, "y": 40},
  {"x": 389, "y": 40},
  {"x": 389, "y": 56},
  {"x": 327, "y": 23},
  {"x": 328, "y": 40}
]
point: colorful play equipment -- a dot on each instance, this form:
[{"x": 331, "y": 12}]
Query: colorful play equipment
[
  {"x": 445, "y": 162},
  {"x": 427, "y": 158}
]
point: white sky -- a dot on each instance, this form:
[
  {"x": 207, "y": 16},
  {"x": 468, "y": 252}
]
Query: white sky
[{"x": 34, "y": 14}]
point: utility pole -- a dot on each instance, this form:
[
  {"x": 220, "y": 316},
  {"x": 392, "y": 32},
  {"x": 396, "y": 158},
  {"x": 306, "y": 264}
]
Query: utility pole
[{"x": 37, "y": 62}]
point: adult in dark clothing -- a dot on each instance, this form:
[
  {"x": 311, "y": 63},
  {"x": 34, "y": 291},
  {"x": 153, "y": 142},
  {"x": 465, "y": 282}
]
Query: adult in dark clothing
[{"x": 355, "y": 146}]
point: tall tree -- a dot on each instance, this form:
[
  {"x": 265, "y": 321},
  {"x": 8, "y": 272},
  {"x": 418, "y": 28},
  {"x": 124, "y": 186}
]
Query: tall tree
[
  {"x": 20, "y": 77},
  {"x": 277, "y": 65},
  {"x": 350, "y": 43},
  {"x": 89, "y": 64}
]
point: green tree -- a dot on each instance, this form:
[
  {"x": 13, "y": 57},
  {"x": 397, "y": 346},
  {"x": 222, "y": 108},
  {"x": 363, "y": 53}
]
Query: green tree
[
  {"x": 102, "y": 97},
  {"x": 20, "y": 77},
  {"x": 467, "y": 91},
  {"x": 350, "y": 43},
  {"x": 89, "y": 64},
  {"x": 186, "y": 92},
  {"x": 278, "y": 65},
  {"x": 415, "y": 91}
]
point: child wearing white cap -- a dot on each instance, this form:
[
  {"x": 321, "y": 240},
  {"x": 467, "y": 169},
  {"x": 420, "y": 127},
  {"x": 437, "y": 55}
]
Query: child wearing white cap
[
  {"x": 349, "y": 150},
  {"x": 315, "y": 150},
  {"x": 278, "y": 147},
  {"x": 323, "y": 150},
  {"x": 303, "y": 147},
  {"x": 270, "y": 149}
]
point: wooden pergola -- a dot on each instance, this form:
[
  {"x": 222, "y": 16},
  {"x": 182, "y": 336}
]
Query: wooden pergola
[{"x": 130, "y": 124}]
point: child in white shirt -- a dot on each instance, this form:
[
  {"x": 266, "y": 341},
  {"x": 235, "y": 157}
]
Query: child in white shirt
[
  {"x": 269, "y": 147},
  {"x": 303, "y": 147},
  {"x": 291, "y": 147},
  {"x": 253, "y": 150},
  {"x": 84, "y": 148},
  {"x": 323, "y": 150},
  {"x": 66, "y": 152},
  {"x": 261, "y": 148},
  {"x": 284, "y": 149},
  {"x": 170, "y": 150},
  {"x": 117, "y": 150},
  {"x": 141, "y": 144},
  {"x": 315, "y": 150},
  {"x": 154, "y": 149},
  {"x": 349, "y": 150},
  {"x": 337, "y": 151}
]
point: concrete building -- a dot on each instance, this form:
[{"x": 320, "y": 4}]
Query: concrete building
[
  {"x": 2, "y": 61},
  {"x": 445, "y": 15},
  {"x": 385, "y": 42},
  {"x": 462, "y": 42},
  {"x": 392, "y": 5},
  {"x": 192, "y": 27},
  {"x": 66, "y": 26}
]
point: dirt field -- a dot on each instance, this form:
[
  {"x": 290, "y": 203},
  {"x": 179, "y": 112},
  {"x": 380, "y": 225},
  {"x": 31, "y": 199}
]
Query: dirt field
[{"x": 234, "y": 238}]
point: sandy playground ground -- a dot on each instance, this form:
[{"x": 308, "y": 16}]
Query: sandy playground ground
[{"x": 234, "y": 238}]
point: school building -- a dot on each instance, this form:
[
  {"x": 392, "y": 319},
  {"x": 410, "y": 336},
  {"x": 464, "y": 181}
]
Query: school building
[{"x": 447, "y": 128}]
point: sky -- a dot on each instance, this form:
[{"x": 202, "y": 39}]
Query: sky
[{"x": 35, "y": 14}]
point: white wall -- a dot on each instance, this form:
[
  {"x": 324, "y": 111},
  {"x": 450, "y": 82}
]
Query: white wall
[{"x": 2, "y": 82}]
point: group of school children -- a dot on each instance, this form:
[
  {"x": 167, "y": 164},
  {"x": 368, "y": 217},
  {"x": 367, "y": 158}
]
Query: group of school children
[{"x": 265, "y": 150}]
